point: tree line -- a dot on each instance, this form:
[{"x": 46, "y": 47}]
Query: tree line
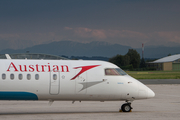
[{"x": 129, "y": 61}]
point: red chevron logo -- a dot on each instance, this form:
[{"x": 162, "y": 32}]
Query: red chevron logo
[{"x": 84, "y": 68}]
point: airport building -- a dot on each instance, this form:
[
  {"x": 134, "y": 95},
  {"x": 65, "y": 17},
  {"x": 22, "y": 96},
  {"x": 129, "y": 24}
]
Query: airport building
[{"x": 168, "y": 63}]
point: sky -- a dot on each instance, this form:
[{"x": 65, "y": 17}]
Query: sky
[{"x": 24, "y": 23}]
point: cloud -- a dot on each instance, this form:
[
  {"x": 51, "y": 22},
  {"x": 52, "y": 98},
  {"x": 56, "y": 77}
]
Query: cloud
[
  {"x": 89, "y": 33},
  {"x": 104, "y": 34},
  {"x": 170, "y": 36},
  {"x": 126, "y": 34},
  {"x": 125, "y": 37},
  {"x": 84, "y": 34}
]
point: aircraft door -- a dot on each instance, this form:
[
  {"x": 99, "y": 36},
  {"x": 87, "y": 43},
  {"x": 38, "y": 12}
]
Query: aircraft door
[
  {"x": 54, "y": 82},
  {"x": 81, "y": 83}
]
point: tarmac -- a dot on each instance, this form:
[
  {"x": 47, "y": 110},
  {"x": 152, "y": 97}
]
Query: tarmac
[{"x": 164, "y": 106}]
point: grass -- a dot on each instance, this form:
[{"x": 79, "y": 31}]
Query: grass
[{"x": 154, "y": 74}]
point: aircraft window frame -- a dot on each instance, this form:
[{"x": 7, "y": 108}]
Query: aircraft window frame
[
  {"x": 20, "y": 76},
  {"x": 114, "y": 72},
  {"x": 12, "y": 76},
  {"x": 37, "y": 76},
  {"x": 54, "y": 76},
  {"x": 3, "y": 76},
  {"x": 28, "y": 76}
]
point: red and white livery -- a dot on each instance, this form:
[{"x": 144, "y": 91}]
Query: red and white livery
[{"x": 69, "y": 80}]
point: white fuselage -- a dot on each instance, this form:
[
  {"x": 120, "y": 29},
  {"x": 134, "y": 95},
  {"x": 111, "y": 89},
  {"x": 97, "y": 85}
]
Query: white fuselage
[{"x": 74, "y": 80}]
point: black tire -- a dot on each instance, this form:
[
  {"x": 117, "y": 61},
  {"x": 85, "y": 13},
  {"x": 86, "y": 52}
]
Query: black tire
[{"x": 126, "y": 107}]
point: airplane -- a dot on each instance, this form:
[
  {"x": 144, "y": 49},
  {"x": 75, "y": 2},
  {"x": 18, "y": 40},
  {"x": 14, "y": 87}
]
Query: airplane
[{"x": 69, "y": 80}]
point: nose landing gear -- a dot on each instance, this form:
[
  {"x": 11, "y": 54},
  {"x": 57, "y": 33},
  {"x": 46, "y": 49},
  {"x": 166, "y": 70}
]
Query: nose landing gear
[{"x": 126, "y": 107}]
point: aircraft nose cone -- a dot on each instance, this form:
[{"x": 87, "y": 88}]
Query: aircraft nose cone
[{"x": 151, "y": 94}]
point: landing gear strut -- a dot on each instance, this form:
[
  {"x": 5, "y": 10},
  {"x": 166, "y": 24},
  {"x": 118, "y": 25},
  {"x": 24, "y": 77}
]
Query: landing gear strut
[{"x": 126, "y": 107}]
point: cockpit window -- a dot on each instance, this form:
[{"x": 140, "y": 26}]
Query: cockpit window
[
  {"x": 120, "y": 71},
  {"x": 114, "y": 71}
]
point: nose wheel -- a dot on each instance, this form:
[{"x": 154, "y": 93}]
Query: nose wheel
[{"x": 126, "y": 107}]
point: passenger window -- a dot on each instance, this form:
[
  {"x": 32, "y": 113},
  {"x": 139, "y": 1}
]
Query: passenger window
[
  {"x": 20, "y": 76},
  {"x": 28, "y": 76},
  {"x": 54, "y": 77},
  {"x": 3, "y": 76},
  {"x": 37, "y": 76},
  {"x": 11, "y": 76}
]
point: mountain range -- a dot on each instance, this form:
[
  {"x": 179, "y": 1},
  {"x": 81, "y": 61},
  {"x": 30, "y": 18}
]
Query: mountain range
[{"x": 104, "y": 49}]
